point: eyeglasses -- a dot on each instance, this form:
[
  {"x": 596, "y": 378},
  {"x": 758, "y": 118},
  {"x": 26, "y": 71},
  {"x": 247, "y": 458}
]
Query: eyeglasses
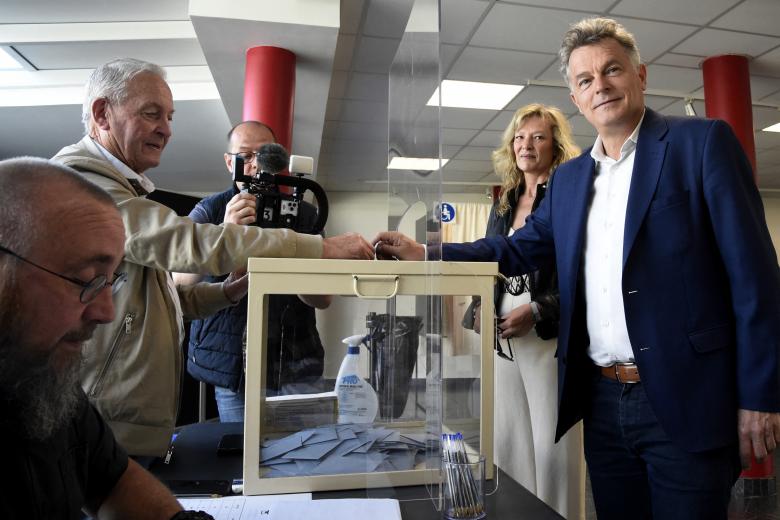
[
  {"x": 497, "y": 345},
  {"x": 247, "y": 157},
  {"x": 500, "y": 351},
  {"x": 90, "y": 289}
]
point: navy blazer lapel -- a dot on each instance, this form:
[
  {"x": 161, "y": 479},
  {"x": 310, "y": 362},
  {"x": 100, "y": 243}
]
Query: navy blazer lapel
[
  {"x": 649, "y": 158},
  {"x": 578, "y": 198}
]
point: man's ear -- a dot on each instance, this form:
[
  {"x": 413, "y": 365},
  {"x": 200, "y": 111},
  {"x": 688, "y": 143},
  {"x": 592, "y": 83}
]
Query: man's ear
[
  {"x": 574, "y": 101},
  {"x": 100, "y": 114},
  {"x": 229, "y": 162},
  {"x": 642, "y": 71}
]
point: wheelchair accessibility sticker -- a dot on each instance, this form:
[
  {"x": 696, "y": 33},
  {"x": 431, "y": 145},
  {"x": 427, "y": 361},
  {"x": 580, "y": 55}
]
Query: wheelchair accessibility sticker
[{"x": 447, "y": 212}]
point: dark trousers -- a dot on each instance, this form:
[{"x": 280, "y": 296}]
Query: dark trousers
[{"x": 637, "y": 473}]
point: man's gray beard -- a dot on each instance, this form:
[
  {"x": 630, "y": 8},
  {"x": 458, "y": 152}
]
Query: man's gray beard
[{"x": 41, "y": 398}]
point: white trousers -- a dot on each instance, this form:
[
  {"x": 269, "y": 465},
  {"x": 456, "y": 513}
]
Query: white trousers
[{"x": 526, "y": 393}]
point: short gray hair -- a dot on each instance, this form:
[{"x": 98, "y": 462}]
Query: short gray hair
[
  {"x": 594, "y": 30},
  {"x": 21, "y": 180},
  {"x": 110, "y": 81}
]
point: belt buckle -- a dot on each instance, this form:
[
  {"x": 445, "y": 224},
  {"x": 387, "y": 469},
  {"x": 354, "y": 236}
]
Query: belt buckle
[{"x": 617, "y": 372}]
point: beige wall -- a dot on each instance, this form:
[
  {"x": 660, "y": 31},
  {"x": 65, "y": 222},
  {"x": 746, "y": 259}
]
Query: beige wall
[
  {"x": 366, "y": 213},
  {"x": 772, "y": 211}
]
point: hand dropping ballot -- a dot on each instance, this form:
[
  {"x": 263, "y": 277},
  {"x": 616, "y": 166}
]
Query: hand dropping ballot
[{"x": 357, "y": 400}]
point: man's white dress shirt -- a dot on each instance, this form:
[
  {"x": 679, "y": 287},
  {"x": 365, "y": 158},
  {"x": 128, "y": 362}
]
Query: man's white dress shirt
[{"x": 603, "y": 254}]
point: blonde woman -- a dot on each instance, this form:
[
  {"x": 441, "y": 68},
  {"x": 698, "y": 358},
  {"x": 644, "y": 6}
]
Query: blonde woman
[{"x": 536, "y": 141}]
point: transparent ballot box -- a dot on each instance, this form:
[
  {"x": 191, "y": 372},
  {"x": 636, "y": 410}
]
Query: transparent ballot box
[{"x": 371, "y": 412}]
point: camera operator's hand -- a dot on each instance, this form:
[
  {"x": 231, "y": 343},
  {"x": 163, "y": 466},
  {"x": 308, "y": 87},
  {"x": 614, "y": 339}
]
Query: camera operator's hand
[
  {"x": 349, "y": 246},
  {"x": 241, "y": 209}
]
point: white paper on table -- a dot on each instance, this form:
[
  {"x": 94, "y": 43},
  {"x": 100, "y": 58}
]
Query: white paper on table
[
  {"x": 241, "y": 507},
  {"x": 374, "y": 508}
]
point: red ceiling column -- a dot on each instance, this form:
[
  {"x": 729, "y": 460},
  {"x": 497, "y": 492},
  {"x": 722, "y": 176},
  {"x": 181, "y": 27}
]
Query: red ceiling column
[
  {"x": 269, "y": 90},
  {"x": 727, "y": 97}
]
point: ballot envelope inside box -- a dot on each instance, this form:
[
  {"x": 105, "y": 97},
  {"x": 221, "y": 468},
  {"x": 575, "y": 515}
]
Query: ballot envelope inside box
[{"x": 427, "y": 373}]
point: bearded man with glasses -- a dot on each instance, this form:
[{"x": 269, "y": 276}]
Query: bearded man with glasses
[{"x": 58, "y": 259}]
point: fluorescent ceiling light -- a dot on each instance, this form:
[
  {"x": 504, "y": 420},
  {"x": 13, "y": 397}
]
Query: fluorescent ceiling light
[
  {"x": 193, "y": 91},
  {"x": 473, "y": 94},
  {"x": 774, "y": 128},
  {"x": 688, "y": 108},
  {"x": 74, "y": 95},
  {"x": 66, "y": 87},
  {"x": 41, "y": 96},
  {"x": 436, "y": 183},
  {"x": 416, "y": 163},
  {"x": 43, "y": 78},
  {"x": 96, "y": 31},
  {"x": 8, "y": 61}
]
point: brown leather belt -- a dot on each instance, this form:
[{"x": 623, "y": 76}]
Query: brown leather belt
[{"x": 622, "y": 372}]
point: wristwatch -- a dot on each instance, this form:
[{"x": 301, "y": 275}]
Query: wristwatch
[{"x": 535, "y": 312}]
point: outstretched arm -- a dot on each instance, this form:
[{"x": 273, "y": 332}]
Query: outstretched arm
[
  {"x": 347, "y": 246},
  {"x": 391, "y": 244}
]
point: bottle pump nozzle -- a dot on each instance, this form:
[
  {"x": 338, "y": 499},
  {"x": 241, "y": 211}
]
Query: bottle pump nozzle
[{"x": 353, "y": 343}]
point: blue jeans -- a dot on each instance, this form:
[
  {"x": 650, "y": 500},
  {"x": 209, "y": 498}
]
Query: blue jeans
[
  {"x": 230, "y": 404},
  {"x": 637, "y": 472}
]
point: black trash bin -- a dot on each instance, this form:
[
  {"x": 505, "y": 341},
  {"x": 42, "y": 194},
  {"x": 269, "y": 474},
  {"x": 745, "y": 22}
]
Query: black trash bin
[{"x": 393, "y": 342}]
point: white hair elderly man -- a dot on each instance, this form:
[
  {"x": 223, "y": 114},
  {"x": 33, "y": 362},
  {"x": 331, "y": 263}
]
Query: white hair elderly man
[
  {"x": 133, "y": 367},
  {"x": 59, "y": 265}
]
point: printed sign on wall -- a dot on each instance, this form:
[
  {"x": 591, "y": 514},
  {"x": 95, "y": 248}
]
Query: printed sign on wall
[{"x": 447, "y": 212}]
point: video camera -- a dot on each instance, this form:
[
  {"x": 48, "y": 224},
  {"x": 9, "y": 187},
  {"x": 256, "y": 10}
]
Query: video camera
[{"x": 276, "y": 209}]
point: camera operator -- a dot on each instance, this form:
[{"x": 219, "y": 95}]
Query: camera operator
[{"x": 295, "y": 354}]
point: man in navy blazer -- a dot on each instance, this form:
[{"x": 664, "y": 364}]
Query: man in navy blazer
[{"x": 669, "y": 292}]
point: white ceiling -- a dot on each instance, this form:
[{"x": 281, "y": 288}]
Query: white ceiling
[{"x": 341, "y": 118}]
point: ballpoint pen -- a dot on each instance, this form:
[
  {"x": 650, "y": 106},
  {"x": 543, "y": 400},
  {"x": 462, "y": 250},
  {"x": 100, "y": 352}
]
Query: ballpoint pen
[{"x": 467, "y": 501}]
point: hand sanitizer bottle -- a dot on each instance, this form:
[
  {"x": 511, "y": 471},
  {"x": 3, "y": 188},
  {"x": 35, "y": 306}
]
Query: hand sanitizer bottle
[{"x": 356, "y": 397}]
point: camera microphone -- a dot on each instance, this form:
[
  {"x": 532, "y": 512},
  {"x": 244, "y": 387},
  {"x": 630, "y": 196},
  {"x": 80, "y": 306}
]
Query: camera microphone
[{"x": 272, "y": 158}]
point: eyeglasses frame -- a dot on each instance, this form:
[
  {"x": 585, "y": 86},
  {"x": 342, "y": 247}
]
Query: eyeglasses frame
[
  {"x": 117, "y": 282},
  {"x": 497, "y": 344},
  {"x": 246, "y": 161}
]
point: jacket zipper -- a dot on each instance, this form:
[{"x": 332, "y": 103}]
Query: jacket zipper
[{"x": 120, "y": 337}]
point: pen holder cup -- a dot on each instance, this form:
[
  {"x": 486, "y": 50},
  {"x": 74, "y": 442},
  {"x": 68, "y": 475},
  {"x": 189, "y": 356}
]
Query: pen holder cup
[{"x": 464, "y": 489}]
